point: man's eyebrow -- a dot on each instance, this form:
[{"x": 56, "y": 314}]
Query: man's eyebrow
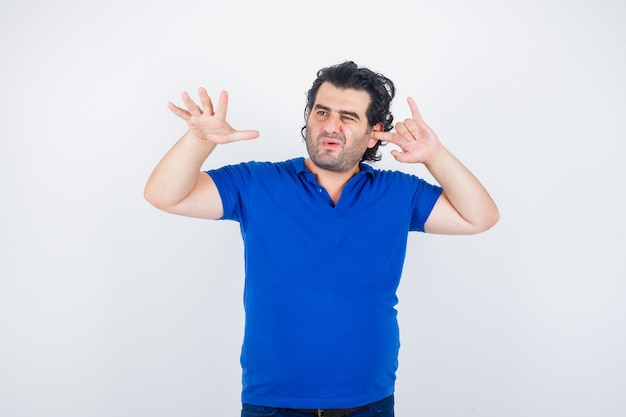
[{"x": 343, "y": 112}]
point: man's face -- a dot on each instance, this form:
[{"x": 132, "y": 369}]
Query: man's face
[{"x": 337, "y": 132}]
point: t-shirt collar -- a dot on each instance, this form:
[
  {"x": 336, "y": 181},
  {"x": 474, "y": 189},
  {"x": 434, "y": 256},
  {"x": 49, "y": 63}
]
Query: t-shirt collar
[{"x": 298, "y": 164}]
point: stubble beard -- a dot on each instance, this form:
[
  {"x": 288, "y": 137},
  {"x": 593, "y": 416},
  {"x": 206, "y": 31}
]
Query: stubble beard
[{"x": 343, "y": 159}]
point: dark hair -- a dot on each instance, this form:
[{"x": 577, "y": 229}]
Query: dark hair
[{"x": 380, "y": 89}]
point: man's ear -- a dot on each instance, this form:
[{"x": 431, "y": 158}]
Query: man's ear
[{"x": 378, "y": 127}]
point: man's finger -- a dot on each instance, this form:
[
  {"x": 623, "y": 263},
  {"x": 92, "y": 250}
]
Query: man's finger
[
  {"x": 183, "y": 114},
  {"x": 191, "y": 105},
  {"x": 414, "y": 110},
  {"x": 222, "y": 106},
  {"x": 404, "y": 132},
  {"x": 205, "y": 99},
  {"x": 385, "y": 136},
  {"x": 244, "y": 135}
]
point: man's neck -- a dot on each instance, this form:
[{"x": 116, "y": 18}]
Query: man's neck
[{"x": 332, "y": 181}]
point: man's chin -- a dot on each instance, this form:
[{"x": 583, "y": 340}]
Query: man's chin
[
  {"x": 327, "y": 162},
  {"x": 332, "y": 164}
]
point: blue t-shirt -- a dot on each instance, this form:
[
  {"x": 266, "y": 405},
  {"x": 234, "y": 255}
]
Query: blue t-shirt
[{"x": 320, "y": 280}]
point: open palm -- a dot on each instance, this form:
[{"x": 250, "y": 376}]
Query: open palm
[{"x": 207, "y": 123}]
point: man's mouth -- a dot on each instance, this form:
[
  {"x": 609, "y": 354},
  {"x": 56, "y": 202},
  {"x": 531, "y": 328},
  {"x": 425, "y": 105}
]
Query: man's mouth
[{"x": 331, "y": 142}]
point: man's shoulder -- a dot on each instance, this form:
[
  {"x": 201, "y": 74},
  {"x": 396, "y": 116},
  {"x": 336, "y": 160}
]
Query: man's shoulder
[
  {"x": 289, "y": 165},
  {"x": 262, "y": 165},
  {"x": 268, "y": 163},
  {"x": 261, "y": 171},
  {"x": 385, "y": 174}
]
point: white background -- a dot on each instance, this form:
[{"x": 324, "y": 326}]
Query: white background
[{"x": 109, "y": 307}]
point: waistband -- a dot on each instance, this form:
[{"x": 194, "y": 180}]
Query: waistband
[{"x": 335, "y": 412}]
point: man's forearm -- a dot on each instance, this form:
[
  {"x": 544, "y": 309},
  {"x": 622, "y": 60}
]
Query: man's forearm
[
  {"x": 465, "y": 193},
  {"x": 176, "y": 174}
]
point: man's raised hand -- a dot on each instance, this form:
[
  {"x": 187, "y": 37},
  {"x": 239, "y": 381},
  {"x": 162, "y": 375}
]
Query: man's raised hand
[
  {"x": 416, "y": 140},
  {"x": 209, "y": 124}
]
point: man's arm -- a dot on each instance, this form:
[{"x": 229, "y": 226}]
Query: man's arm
[
  {"x": 464, "y": 207},
  {"x": 177, "y": 184}
]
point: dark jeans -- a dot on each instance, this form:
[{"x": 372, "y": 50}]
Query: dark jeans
[{"x": 382, "y": 408}]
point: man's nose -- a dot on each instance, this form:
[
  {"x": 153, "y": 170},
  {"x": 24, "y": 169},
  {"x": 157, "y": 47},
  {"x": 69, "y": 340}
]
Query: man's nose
[{"x": 332, "y": 124}]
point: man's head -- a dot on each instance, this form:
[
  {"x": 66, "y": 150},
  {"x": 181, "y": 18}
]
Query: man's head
[{"x": 348, "y": 76}]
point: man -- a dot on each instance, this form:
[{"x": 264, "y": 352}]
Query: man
[{"x": 324, "y": 237}]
